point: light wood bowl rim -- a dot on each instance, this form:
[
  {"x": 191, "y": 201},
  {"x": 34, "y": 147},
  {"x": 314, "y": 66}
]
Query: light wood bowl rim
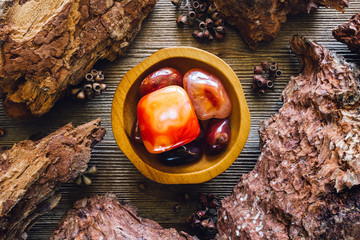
[{"x": 125, "y": 144}]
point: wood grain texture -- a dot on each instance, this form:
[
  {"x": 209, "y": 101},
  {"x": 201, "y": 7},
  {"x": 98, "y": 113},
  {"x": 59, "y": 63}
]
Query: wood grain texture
[
  {"x": 123, "y": 116},
  {"x": 116, "y": 172}
]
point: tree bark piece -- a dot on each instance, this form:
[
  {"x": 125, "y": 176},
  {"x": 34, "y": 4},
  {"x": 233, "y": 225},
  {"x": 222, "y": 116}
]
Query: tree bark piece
[
  {"x": 260, "y": 20},
  {"x": 349, "y": 33},
  {"x": 31, "y": 172},
  {"x": 103, "y": 217},
  {"x": 305, "y": 184},
  {"x": 48, "y": 45}
]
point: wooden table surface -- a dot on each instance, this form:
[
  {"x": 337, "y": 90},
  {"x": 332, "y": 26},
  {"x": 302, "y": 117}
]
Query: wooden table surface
[{"x": 115, "y": 172}]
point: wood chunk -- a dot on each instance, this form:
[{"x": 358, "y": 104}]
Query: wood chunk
[
  {"x": 103, "y": 217},
  {"x": 305, "y": 184},
  {"x": 260, "y": 20},
  {"x": 349, "y": 33},
  {"x": 31, "y": 172},
  {"x": 49, "y": 45}
]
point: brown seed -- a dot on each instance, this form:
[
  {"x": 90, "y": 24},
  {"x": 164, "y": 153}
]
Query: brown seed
[
  {"x": 99, "y": 78},
  {"x": 88, "y": 87},
  {"x": 270, "y": 84},
  {"x": 94, "y": 72},
  {"x": 102, "y": 86},
  {"x": 89, "y": 77},
  {"x": 259, "y": 80},
  {"x": 81, "y": 95},
  {"x": 75, "y": 91},
  {"x": 261, "y": 92},
  {"x": 78, "y": 181},
  {"x": 96, "y": 86},
  {"x": 257, "y": 70}
]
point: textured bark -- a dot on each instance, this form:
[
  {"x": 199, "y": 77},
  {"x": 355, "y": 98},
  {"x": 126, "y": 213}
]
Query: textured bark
[
  {"x": 31, "y": 172},
  {"x": 48, "y": 45},
  {"x": 349, "y": 33},
  {"x": 103, "y": 217},
  {"x": 260, "y": 20},
  {"x": 305, "y": 184}
]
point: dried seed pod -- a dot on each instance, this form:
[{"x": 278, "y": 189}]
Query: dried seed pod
[
  {"x": 89, "y": 77},
  {"x": 75, "y": 91},
  {"x": 259, "y": 80},
  {"x": 92, "y": 170},
  {"x": 265, "y": 66},
  {"x": 211, "y": 9},
  {"x": 196, "y": 5},
  {"x": 181, "y": 20},
  {"x": 202, "y": 25},
  {"x": 192, "y": 15},
  {"x": 215, "y": 16},
  {"x": 219, "y": 36},
  {"x": 96, "y": 87},
  {"x": 176, "y": 2},
  {"x": 99, "y": 77},
  {"x": 202, "y": 7},
  {"x": 209, "y": 22},
  {"x": 270, "y": 84},
  {"x": 94, "y": 72},
  {"x": 78, "y": 181},
  {"x": 206, "y": 33},
  {"x": 278, "y": 73},
  {"x": 102, "y": 86},
  {"x": 258, "y": 70},
  {"x": 88, "y": 87},
  {"x": 81, "y": 95},
  {"x": 87, "y": 180},
  {"x": 219, "y": 22},
  {"x": 261, "y": 92},
  {"x": 220, "y": 29}
]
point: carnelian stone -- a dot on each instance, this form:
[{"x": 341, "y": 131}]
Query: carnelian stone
[{"x": 167, "y": 119}]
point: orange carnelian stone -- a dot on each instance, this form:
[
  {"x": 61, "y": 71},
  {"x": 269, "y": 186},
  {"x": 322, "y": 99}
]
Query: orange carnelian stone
[{"x": 167, "y": 119}]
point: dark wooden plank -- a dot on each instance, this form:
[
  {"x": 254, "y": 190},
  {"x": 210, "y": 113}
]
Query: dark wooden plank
[{"x": 116, "y": 173}]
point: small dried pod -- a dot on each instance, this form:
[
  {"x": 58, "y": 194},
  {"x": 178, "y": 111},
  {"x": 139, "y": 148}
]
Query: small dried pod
[
  {"x": 270, "y": 84},
  {"x": 219, "y": 22},
  {"x": 88, "y": 87},
  {"x": 89, "y": 77},
  {"x": 75, "y": 91},
  {"x": 209, "y": 22},
  {"x": 211, "y": 9},
  {"x": 96, "y": 86},
  {"x": 102, "y": 86},
  {"x": 192, "y": 15},
  {"x": 196, "y": 5},
  {"x": 259, "y": 80},
  {"x": 278, "y": 73},
  {"x": 181, "y": 20},
  {"x": 202, "y": 7},
  {"x": 207, "y": 33},
  {"x": 258, "y": 70},
  {"x": 261, "y": 92},
  {"x": 176, "y": 2},
  {"x": 265, "y": 66},
  {"x": 99, "y": 77},
  {"x": 202, "y": 25},
  {"x": 87, "y": 180},
  {"x": 220, "y": 29},
  {"x": 92, "y": 170},
  {"x": 81, "y": 95},
  {"x": 94, "y": 72},
  {"x": 78, "y": 181},
  {"x": 215, "y": 16}
]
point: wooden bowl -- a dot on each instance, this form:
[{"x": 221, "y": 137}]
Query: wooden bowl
[{"x": 123, "y": 113}]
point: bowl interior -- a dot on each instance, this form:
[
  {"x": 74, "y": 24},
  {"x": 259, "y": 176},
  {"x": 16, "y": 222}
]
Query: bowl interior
[{"x": 183, "y": 64}]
